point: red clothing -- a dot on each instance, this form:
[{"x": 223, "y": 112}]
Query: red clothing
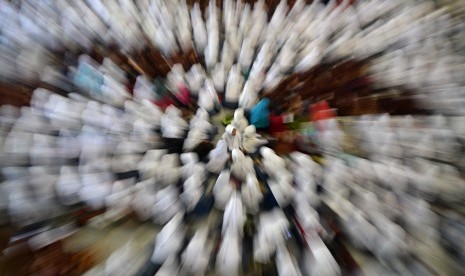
[
  {"x": 277, "y": 124},
  {"x": 183, "y": 95}
]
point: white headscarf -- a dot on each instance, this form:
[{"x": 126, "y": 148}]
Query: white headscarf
[
  {"x": 218, "y": 157},
  {"x": 198, "y": 27},
  {"x": 222, "y": 190},
  {"x": 172, "y": 124},
  {"x": 234, "y": 141},
  {"x": 234, "y": 84},
  {"x": 251, "y": 140},
  {"x": 240, "y": 122},
  {"x": 251, "y": 194},
  {"x": 248, "y": 97},
  {"x": 241, "y": 165}
]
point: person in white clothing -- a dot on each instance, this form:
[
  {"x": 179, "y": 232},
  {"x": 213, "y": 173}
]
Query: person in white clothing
[
  {"x": 229, "y": 257},
  {"x": 240, "y": 122},
  {"x": 208, "y": 98},
  {"x": 218, "y": 157},
  {"x": 169, "y": 240},
  {"x": 251, "y": 140},
  {"x": 241, "y": 165},
  {"x": 249, "y": 96},
  {"x": 195, "y": 77},
  {"x": 232, "y": 137},
  {"x": 172, "y": 124},
  {"x": 197, "y": 253},
  {"x": 234, "y": 215},
  {"x": 233, "y": 86},
  {"x": 251, "y": 194},
  {"x": 222, "y": 190}
]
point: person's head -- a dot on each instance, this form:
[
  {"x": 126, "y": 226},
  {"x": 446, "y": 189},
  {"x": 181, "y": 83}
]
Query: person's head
[
  {"x": 236, "y": 155},
  {"x": 266, "y": 152},
  {"x": 250, "y": 130},
  {"x": 239, "y": 114},
  {"x": 230, "y": 129}
]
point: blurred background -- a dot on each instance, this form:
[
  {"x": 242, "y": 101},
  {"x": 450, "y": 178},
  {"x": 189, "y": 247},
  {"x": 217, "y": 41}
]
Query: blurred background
[{"x": 299, "y": 137}]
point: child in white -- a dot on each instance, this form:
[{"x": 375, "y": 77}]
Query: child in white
[
  {"x": 218, "y": 157},
  {"x": 251, "y": 140},
  {"x": 232, "y": 137}
]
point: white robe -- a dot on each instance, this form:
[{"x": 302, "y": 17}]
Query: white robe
[
  {"x": 197, "y": 253},
  {"x": 234, "y": 215},
  {"x": 251, "y": 194},
  {"x": 241, "y": 165},
  {"x": 251, "y": 140},
  {"x": 222, "y": 190},
  {"x": 229, "y": 256},
  {"x": 248, "y": 98},
  {"x": 233, "y": 141},
  {"x": 218, "y": 157},
  {"x": 199, "y": 29},
  {"x": 240, "y": 122},
  {"x": 234, "y": 85},
  {"x": 169, "y": 240}
]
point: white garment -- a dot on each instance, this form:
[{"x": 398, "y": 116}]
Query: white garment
[
  {"x": 68, "y": 185},
  {"x": 172, "y": 124},
  {"x": 194, "y": 138},
  {"x": 270, "y": 233},
  {"x": 195, "y": 77},
  {"x": 233, "y": 141},
  {"x": 251, "y": 194},
  {"x": 234, "y": 84},
  {"x": 167, "y": 205},
  {"x": 272, "y": 163},
  {"x": 143, "y": 89},
  {"x": 208, "y": 97},
  {"x": 241, "y": 165},
  {"x": 197, "y": 253},
  {"x": 169, "y": 171},
  {"x": 200, "y": 129},
  {"x": 286, "y": 263},
  {"x": 248, "y": 98},
  {"x": 96, "y": 186},
  {"x": 193, "y": 191},
  {"x": 199, "y": 29},
  {"x": 175, "y": 77},
  {"x": 240, "y": 122},
  {"x": 229, "y": 256},
  {"x": 251, "y": 140},
  {"x": 307, "y": 216},
  {"x": 282, "y": 191},
  {"x": 246, "y": 55},
  {"x": 320, "y": 261},
  {"x": 144, "y": 199},
  {"x": 218, "y": 157},
  {"x": 191, "y": 165},
  {"x": 227, "y": 56},
  {"x": 211, "y": 51},
  {"x": 234, "y": 215},
  {"x": 218, "y": 76},
  {"x": 222, "y": 190},
  {"x": 169, "y": 240}
]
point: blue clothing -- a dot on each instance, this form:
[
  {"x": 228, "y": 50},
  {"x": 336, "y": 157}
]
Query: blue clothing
[
  {"x": 88, "y": 78},
  {"x": 260, "y": 115}
]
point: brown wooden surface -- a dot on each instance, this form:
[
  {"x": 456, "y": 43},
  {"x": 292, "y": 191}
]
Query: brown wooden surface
[{"x": 15, "y": 94}]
